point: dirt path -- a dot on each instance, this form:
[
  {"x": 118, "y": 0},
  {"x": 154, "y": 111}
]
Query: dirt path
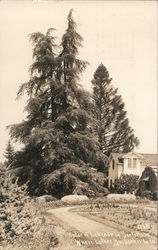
[{"x": 78, "y": 232}]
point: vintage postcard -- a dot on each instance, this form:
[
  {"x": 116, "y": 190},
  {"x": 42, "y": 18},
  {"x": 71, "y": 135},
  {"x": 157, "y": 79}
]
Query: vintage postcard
[{"x": 78, "y": 106}]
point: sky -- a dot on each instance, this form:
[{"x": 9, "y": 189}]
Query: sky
[{"x": 120, "y": 34}]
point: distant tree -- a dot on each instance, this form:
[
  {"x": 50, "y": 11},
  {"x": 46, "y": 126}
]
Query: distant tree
[
  {"x": 9, "y": 154},
  {"x": 114, "y": 132},
  {"x": 128, "y": 183},
  {"x": 59, "y": 123}
]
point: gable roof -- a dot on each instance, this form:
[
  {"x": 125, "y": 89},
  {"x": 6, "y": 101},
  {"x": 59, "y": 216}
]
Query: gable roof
[
  {"x": 138, "y": 156},
  {"x": 117, "y": 156},
  {"x": 147, "y": 159}
]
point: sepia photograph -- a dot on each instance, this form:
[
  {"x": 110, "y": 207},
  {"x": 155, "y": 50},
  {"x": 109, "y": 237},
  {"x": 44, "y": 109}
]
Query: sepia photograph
[{"x": 78, "y": 127}]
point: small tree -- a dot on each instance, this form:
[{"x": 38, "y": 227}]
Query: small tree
[
  {"x": 128, "y": 183},
  {"x": 9, "y": 154},
  {"x": 148, "y": 184}
]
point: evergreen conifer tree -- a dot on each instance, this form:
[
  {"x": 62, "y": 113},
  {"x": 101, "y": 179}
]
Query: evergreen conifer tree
[
  {"x": 59, "y": 123},
  {"x": 114, "y": 132}
]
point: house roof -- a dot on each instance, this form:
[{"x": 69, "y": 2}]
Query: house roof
[
  {"x": 147, "y": 159},
  {"x": 138, "y": 156},
  {"x": 117, "y": 156},
  {"x": 150, "y": 159}
]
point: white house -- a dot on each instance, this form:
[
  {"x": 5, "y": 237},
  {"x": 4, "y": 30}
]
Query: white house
[{"x": 129, "y": 163}]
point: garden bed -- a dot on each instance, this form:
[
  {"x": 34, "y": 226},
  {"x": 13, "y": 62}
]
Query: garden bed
[{"x": 132, "y": 216}]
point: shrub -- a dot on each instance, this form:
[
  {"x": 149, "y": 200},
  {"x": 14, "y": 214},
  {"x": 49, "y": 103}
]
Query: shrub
[
  {"x": 128, "y": 183},
  {"x": 155, "y": 196},
  {"x": 148, "y": 182},
  {"x": 21, "y": 221},
  {"x": 74, "y": 198},
  {"x": 121, "y": 197},
  {"x": 147, "y": 194}
]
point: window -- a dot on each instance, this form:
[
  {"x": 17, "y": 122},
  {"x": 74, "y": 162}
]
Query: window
[
  {"x": 129, "y": 163},
  {"x": 113, "y": 164},
  {"x": 134, "y": 163}
]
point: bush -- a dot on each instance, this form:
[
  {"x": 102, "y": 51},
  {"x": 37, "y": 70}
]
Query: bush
[
  {"x": 45, "y": 198},
  {"x": 74, "y": 198},
  {"x": 147, "y": 194},
  {"x": 21, "y": 220},
  {"x": 150, "y": 184},
  {"x": 155, "y": 196},
  {"x": 128, "y": 183},
  {"x": 121, "y": 197}
]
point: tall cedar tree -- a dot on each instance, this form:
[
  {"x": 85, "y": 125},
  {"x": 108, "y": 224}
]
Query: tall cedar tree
[
  {"x": 59, "y": 125},
  {"x": 114, "y": 132}
]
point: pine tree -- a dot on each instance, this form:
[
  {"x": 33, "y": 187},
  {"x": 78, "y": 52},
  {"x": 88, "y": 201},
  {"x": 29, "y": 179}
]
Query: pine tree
[
  {"x": 59, "y": 123},
  {"x": 9, "y": 154},
  {"x": 114, "y": 132}
]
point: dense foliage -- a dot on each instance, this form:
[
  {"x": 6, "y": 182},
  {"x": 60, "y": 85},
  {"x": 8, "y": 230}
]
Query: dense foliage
[
  {"x": 114, "y": 132},
  {"x": 74, "y": 179},
  {"x": 22, "y": 224},
  {"x": 148, "y": 184},
  {"x": 59, "y": 127},
  {"x": 127, "y": 183}
]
